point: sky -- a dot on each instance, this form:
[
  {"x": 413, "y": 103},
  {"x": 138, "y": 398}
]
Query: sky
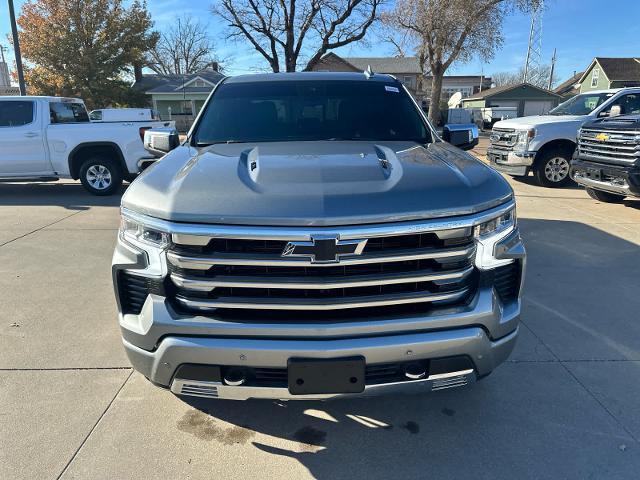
[{"x": 579, "y": 29}]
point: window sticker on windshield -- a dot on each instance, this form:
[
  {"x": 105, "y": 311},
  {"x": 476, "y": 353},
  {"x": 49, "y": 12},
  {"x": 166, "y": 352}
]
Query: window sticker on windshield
[{"x": 391, "y": 89}]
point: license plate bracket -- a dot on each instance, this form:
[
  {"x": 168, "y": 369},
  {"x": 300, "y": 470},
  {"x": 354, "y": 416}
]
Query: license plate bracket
[
  {"x": 319, "y": 376},
  {"x": 497, "y": 158}
]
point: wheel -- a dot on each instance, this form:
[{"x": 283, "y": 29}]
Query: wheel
[
  {"x": 101, "y": 176},
  {"x": 552, "y": 168},
  {"x": 604, "y": 196}
]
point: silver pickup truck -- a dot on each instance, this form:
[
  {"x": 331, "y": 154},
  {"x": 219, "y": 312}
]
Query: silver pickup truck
[{"x": 314, "y": 237}]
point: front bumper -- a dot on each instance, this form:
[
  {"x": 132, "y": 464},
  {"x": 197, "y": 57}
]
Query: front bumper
[
  {"x": 618, "y": 179},
  {"x": 159, "y": 341},
  {"x": 510, "y": 162},
  {"x": 159, "y": 366}
]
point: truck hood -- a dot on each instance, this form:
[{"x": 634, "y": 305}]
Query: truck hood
[
  {"x": 537, "y": 120},
  {"x": 315, "y": 184}
]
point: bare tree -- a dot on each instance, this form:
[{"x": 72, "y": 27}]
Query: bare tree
[
  {"x": 442, "y": 32},
  {"x": 183, "y": 49},
  {"x": 537, "y": 76},
  {"x": 289, "y": 32}
]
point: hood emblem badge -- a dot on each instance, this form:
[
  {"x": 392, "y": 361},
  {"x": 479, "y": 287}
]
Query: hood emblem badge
[
  {"x": 603, "y": 137},
  {"x": 324, "y": 249}
]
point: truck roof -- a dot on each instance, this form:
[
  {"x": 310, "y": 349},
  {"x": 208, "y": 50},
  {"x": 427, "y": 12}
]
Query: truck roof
[
  {"x": 298, "y": 76},
  {"x": 41, "y": 97},
  {"x": 609, "y": 90}
]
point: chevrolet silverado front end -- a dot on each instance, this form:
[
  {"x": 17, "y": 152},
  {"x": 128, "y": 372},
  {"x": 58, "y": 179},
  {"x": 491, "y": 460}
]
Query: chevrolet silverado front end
[{"x": 323, "y": 242}]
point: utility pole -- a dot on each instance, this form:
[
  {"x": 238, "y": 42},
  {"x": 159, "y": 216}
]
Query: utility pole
[
  {"x": 553, "y": 66},
  {"x": 16, "y": 48}
]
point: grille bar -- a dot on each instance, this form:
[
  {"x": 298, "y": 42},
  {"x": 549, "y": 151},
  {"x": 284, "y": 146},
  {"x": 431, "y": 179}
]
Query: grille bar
[
  {"x": 617, "y": 146},
  {"x": 238, "y": 273},
  {"x": 205, "y": 262},
  {"x": 610, "y": 150},
  {"x": 506, "y": 140},
  {"x": 302, "y": 303},
  {"x": 200, "y": 284}
]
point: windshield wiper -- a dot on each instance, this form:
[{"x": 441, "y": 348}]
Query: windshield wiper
[{"x": 218, "y": 142}]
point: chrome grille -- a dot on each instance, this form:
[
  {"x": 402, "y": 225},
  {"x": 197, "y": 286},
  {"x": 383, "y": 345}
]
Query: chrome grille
[
  {"x": 503, "y": 139},
  {"x": 232, "y": 275},
  {"x": 611, "y": 146}
]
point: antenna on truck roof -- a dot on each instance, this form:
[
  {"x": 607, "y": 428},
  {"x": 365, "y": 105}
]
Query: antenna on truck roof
[{"x": 368, "y": 72}]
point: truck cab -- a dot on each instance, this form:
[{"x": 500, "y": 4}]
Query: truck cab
[{"x": 544, "y": 144}]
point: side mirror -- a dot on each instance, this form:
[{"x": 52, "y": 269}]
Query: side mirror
[
  {"x": 615, "y": 111},
  {"x": 464, "y": 136},
  {"x": 160, "y": 141}
]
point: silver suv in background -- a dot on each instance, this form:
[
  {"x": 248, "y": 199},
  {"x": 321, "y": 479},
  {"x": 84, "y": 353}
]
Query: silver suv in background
[{"x": 314, "y": 237}]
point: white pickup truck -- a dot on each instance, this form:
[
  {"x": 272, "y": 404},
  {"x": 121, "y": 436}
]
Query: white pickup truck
[
  {"x": 544, "y": 144},
  {"x": 46, "y": 138}
]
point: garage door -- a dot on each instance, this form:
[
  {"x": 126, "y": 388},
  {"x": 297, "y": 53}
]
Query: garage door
[
  {"x": 537, "y": 107},
  {"x": 505, "y": 103}
]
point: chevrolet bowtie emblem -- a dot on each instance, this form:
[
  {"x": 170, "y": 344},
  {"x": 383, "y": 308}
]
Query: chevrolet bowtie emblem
[
  {"x": 324, "y": 249},
  {"x": 603, "y": 137}
]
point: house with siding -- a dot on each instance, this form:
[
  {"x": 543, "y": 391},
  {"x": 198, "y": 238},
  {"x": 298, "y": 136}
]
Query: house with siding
[
  {"x": 570, "y": 87},
  {"x": 407, "y": 70},
  {"x": 179, "y": 97},
  {"x": 526, "y": 98},
  {"x": 604, "y": 73}
]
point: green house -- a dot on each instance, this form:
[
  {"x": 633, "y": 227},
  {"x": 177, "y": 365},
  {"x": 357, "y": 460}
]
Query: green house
[
  {"x": 179, "y": 97},
  {"x": 527, "y": 98},
  {"x": 604, "y": 73}
]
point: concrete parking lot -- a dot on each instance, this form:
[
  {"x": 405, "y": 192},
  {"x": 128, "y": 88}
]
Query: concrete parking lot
[{"x": 564, "y": 406}]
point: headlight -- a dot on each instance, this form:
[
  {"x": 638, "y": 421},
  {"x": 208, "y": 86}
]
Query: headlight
[
  {"x": 146, "y": 239},
  {"x": 497, "y": 224},
  {"x": 488, "y": 234},
  {"x": 135, "y": 233},
  {"x": 523, "y": 138}
]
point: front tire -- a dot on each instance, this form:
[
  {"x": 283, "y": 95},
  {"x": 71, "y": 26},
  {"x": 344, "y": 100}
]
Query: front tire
[
  {"x": 605, "y": 197},
  {"x": 552, "y": 168},
  {"x": 101, "y": 176}
]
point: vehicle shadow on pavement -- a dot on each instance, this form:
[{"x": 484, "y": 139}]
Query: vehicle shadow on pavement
[
  {"x": 70, "y": 195},
  {"x": 578, "y": 333},
  {"x": 531, "y": 180},
  {"x": 632, "y": 203}
]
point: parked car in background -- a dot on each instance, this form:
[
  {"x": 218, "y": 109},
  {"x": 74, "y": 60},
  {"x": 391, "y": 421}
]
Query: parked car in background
[
  {"x": 544, "y": 144},
  {"x": 123, "y": 115},
  {"x": 314, "y": 237},
  {"x": 46, "y": 138},
  {"x": 607, "y": 160}
]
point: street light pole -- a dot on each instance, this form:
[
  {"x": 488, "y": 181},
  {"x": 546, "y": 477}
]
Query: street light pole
[{"x": 16, "y": 48}]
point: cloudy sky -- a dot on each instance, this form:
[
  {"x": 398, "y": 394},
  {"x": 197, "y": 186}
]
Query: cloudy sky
[{"x": 579, "y": 29}]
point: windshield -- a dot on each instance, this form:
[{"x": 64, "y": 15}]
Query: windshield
[
  {"x": 581, "y": 104},
  {"x": 310, "y": 110}
]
